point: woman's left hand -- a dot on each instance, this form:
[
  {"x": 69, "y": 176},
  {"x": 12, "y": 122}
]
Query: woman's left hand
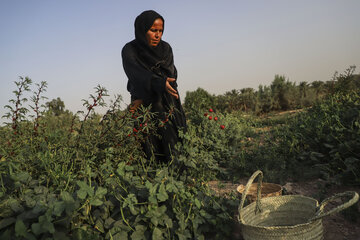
[{"x": 170, "y": 89}]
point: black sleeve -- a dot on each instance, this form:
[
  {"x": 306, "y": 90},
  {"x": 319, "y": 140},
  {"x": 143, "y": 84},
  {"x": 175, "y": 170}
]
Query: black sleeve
[{"x": 142, "y": 82}]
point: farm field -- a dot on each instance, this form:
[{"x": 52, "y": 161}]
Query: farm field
[{"x": 84, "y": 176}]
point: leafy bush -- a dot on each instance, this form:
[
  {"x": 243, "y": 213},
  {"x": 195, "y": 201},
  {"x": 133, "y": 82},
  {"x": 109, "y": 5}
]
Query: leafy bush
[
  {"x": 328, "y": 137},
  {"x": 88, "y": 178},
  {"x": 322, "y": 141}
]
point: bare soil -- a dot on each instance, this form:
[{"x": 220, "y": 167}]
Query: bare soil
[{"x": 339, "y": 226}]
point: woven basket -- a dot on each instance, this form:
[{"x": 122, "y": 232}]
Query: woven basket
[
  {"x": 267, "y": 190},
  {"x": 291, "y": 217}
]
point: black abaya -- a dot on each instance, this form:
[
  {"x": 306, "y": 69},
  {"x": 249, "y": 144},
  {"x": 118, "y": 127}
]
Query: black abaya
[{"x": 147, "y": 69}]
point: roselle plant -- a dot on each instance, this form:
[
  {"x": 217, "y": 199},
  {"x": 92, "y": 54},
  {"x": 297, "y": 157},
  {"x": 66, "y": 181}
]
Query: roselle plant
[
  {"x": 85, "y": 178},
  {"x": 37, "y": 107},
  {"x": 18, "y": 112}
]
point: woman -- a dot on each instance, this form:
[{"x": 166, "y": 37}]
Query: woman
[{"x": 149, "y": 65}]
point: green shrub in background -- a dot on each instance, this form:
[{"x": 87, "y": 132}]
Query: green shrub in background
[
  {"x": 328, "y": 137},
  {"x": 281, "y": 95},
  {"x": 322, "y": 141}
]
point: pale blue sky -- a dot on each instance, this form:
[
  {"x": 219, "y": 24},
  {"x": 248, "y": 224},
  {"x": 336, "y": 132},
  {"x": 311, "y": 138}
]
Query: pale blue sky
[{"x": 218, "y": 45}]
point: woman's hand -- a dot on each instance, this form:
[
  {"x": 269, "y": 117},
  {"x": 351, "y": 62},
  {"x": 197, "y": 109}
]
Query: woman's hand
[
  {"x": 170, "y": 89},
  {"x": 135, "y": 104}
]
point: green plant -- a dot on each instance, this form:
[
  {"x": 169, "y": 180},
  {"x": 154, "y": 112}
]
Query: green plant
[{"x": 89, "y": 179}]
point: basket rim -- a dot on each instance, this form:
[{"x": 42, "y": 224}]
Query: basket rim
[
  {"x": 281, "y": 227},
  {"x": 263, "y": 184}
]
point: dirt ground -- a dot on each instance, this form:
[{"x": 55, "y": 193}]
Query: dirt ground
[{"x": 339, "y": 226}]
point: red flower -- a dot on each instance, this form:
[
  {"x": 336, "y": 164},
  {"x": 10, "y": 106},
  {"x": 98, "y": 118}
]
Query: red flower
[
  {"x": 210, "y": 117},
  {"x": 210, "y": 110},
  {"x": 222, "y": 126},
  {"x": 135, "y": 130},
  {"x": 215, "y": 118},
  {"x": 205, "y": 114}
]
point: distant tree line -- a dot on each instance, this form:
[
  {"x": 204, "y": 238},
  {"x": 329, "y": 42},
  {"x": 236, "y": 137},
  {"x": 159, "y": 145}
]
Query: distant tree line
[{"x": 281, "y": 95}]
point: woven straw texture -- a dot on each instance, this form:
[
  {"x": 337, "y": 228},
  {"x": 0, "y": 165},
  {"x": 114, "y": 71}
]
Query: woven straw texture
[{"x": 291, "y": 217}]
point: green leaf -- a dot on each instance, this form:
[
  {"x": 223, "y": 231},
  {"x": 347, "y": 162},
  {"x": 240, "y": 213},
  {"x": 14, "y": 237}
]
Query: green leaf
[
  {"x": 60, "y": 236},
  {"x": 170, "y": 187},
  {"x": 81, "y": 193},
  {"x": 59, "y": 207},
  {"x": 67, "y": 197},
  {"x": 121, "y": 169},
  {"x": 15, "y": 205},
  {"x": 168, "y": 222},
  {"x": 39, "y": 208},
  {"x": 328, "y": 145},
  {"x": 44, "y": 225},
  {"x": 139, "y": 233},
  {"x": 69, "y": 202},
  {"x": 100, "y": 192},
  {"x": 157, "y": 234},
  {"x": 99, "y": 225},
  {"x": 96, "y": 202},
  {"x": 83, "y": 186},
  {"x": 134, "y": 211},
  {"x": 152, "y": 199},
  {"x": 161, "y": 210},
  {"x": 197, "y": 203},
  {"x": 108, "y": 223},
  {"x": 129, "y": 168},
  {"x": 162, "y": 194},
  {"x": 155, "y": 220},
  {"x": 20, "y": 229},
  {"x": 148, "y": 184},
  {"x": 120, "y": 236},
  {"x": 6, "y": 222},
  {"x": 182, "y": 237},
  {"x": 23, "y": 177},
  {"x": 41, "y": 190},
  {"x": 36, "y": 228},
  {"x": 29, "y": 201}
]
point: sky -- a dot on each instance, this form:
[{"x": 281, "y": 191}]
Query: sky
[{"x": 218, "y": 45}]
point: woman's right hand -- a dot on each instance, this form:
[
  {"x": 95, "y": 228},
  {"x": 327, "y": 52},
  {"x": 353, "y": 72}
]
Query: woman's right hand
[
  {"x": 170, "y": 89},
  {"x": 135, "y": 104}
]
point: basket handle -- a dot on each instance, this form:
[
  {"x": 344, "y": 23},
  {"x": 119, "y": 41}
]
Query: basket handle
[
  {"x": 320, "y": 214},
  {"x": 244, "y": 194}
]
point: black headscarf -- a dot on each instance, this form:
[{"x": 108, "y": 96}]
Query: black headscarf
[{"x": 158, "y": 59}]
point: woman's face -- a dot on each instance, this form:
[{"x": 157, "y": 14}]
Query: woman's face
[{"x": 154, "y": 34}]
